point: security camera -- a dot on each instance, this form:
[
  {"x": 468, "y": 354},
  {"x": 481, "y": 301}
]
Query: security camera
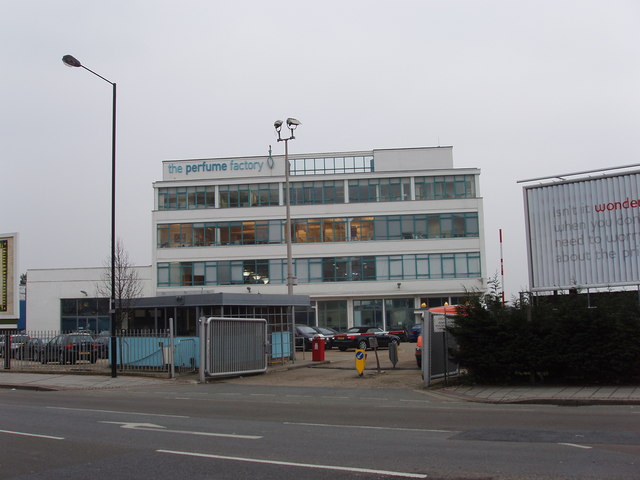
[{"x": 292, "y": 122}]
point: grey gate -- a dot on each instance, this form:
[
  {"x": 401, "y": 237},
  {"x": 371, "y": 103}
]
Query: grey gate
[{"x": 232, "y": 346}]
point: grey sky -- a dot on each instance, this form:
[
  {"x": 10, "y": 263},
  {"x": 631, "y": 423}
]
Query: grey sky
[{"x": 520, "y": 89}]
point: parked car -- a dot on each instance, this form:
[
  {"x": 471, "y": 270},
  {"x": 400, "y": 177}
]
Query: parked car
[
  {"x": 304, "y": 336},
  {"x": 17, "y": 344},
  {"x": 328, "y": 334},
  {"x": 359, "y": 337},
  {"x": 415, "y": 332},
  {"x": 33, "y": 350},
  {"x": 69, "y": 348},
  {"x": 399, "y": 331},
  {"x": 103, "y": 341}
]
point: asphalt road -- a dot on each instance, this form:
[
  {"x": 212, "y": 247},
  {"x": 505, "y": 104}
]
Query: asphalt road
[{"x": 233, "y": 430}]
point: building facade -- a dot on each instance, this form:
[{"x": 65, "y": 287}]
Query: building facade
[{"x": 375, "y": 234}]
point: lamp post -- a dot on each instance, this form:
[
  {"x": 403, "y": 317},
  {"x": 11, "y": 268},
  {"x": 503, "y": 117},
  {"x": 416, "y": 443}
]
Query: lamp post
[
  {"x": 71, "y": 61},
  {"x": 292, "y": 124}
]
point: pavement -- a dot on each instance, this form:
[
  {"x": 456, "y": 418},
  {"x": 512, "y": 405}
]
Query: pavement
[{"x": 338, "y": 370}]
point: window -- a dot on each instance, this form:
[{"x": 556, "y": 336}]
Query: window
[
  {"x": 442, "y": 187},
  {"x": 317, "y": 193},
  {"x": 379, "y": 190},
  {"x": 391, "y": 227},
  {"x": 330, "y": 165},
  {"x": 367, "y": 313},
  {"x": 249, "y": 195},
  {"x": 318, "y": 270}
]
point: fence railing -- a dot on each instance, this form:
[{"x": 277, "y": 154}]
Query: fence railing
[{"x": 138, "y": 351}]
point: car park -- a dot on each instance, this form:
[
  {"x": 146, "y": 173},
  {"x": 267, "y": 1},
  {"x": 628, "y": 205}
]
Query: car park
[
  {"x": 360, "y": 337},
  {"x": 70, "y": 348}
]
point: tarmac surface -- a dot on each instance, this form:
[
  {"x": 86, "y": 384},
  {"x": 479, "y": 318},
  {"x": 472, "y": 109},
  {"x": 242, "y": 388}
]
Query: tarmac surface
[{"x": 338, "y": 370}]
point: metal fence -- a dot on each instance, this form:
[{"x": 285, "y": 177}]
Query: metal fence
[
  {"x": 139, "y": 351},
  {"x": 49, "y": 350}
]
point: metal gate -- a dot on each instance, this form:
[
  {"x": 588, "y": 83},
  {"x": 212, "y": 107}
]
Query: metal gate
[{"x": 232, "y": 346}]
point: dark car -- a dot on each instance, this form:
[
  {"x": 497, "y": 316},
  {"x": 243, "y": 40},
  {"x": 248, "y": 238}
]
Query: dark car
[
  {"x": 17, "y": 346},
  {"x": 328, "y": 334},
  {"x": 103, "y": 341},
  {"x": 33, "y": 350},
  {"x": 70, "y": 348},
  {"x": 415, "y": 332},
  {"x": 304, "y": 336},
  {"x": 399, "y": 332},
  {"x": 360, "y": 337}
]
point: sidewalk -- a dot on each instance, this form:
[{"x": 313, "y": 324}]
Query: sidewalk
[
  {"x": 338, "y": 370},
  {"x": 55, "y": 381},
  {"x": 556, "y": 395}
]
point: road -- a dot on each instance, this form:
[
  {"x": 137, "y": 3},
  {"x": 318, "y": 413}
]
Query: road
[{"x": 228, "y": 430}]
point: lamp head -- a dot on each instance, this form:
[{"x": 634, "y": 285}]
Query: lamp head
[
  {"x": 277, "y": 125},
  {"x": 71, "y": 61},
  {"x": 292, "y": 123}
]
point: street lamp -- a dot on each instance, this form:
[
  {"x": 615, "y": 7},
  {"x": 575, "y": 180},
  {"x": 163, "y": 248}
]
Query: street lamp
[
  {"x": 71, "y": 61},
  {"x": 292, "y": 124}
]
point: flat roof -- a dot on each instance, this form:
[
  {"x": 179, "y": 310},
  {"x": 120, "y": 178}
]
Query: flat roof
[{"x": 222, "y": 299}]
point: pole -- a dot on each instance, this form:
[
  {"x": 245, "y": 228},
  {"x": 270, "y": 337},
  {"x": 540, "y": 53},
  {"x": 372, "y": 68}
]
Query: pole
[
  {"x": 71, "y": 61},
  {"x": 287, "y": 197},
  {"x": 114, "y": 350},
  {"x": 501, "y": 267}
]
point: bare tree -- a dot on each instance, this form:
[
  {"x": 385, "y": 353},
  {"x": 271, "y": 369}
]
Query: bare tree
[{"x": 128, "y": 285}]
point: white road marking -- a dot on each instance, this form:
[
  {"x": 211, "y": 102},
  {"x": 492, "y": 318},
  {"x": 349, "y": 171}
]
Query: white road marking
[
  {"x": 369, "y": 427},
  {"x": 120, "y": 412},
  {"x": 24, "y": 434},
  {"x": 575, "y": 445},
  {"x": 294, "y": 464},
  {"x": 150, "y": 427}
]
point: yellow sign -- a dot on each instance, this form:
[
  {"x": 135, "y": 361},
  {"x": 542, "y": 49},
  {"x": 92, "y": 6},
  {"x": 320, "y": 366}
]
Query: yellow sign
[
  {"x": 8, "y": 292},
  {"x": 361, "y": 360}
]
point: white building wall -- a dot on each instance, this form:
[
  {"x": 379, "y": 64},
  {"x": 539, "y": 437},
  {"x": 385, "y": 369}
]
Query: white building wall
[{"x": 45, "y": 289}]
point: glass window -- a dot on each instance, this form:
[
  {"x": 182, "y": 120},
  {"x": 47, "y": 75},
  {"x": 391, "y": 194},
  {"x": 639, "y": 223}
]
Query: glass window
[
  {"x": 399, "y": 313},
  {"x": 450, "y": 186},
  {"x": 333, "y": 314},
  {"x": 69, "y": 307},
  {"x": 395, "y": 267},
  {"x": 362, "y": 228},
  {"x": 448, "y": 266},
  {"x": 163, "y": 236},
  {"x": 367, "y": 313}
]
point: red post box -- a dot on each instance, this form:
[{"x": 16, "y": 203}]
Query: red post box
[{"x": 317, "y": 347}]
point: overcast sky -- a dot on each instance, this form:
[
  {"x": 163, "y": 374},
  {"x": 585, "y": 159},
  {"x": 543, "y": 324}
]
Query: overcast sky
[{"x": 519, "y": 89}]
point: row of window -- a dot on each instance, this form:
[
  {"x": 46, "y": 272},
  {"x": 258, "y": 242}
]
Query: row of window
[
  {"x": 309, "y": 230},
  {"x": 316, "y": 270},
  {"x": 332, "y": 165},
  {"x": 318, "y": 192},
  {"x": 385, "y": 313}
]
